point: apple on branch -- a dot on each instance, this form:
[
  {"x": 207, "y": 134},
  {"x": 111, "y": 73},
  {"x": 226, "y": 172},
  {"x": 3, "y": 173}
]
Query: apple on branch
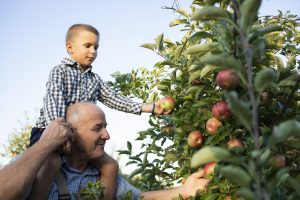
[
  {"x": 212, "y": 125},
  {"x": 167, "y": 103},
  {"x": 234, "y": 143},
  {"x": 209, "y": 168},
  {"x": 220, "y": 110},
  {"x": 278, "y": 161},
  {"x": 227, "y": 79},
  {"x": 195, "y": 139}
]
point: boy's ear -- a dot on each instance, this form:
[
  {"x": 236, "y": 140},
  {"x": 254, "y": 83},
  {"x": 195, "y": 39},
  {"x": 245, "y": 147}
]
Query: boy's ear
[{"x": 69, "y": 47}]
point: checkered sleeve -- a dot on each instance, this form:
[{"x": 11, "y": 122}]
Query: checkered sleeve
[
  {"x": 111, "y": 99},
  {"x": 54, "y": 101}
]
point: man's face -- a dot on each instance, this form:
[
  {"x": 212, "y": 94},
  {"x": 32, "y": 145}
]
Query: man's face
[
  {"x": 83, "y": 48},
  {"x": 91, "y": 133}
]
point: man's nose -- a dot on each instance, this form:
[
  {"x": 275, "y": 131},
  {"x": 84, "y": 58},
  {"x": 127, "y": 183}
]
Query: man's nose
[{"x": 105, "y": 135}]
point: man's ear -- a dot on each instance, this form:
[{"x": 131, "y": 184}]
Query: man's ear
[{"x": 69, "y": 47}]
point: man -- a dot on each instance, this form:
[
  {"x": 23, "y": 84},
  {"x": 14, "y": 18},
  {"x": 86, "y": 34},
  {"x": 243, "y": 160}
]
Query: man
[{"x": 86, "y": 129}]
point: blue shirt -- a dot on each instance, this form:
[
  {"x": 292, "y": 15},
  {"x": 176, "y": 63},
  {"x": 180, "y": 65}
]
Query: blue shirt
[{"x": 76, "y": 179}]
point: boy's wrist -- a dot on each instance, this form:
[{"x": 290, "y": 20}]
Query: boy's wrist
[{"x": 153, "y": 109}]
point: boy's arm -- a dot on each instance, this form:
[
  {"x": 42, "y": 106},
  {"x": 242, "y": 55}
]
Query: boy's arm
[
  {"x": 54, "y": 101},
  {"x": 111, "y": 99},
  {"x": 108, "y": 168}
]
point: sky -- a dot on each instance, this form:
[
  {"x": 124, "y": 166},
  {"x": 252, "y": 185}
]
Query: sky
[{"x": 32, "y": 42}]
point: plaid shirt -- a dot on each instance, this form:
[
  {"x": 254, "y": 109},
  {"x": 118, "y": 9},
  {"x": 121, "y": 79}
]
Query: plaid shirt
[
  {"x": 76, "y": 179},
  {"x": 68, "y": 84}
]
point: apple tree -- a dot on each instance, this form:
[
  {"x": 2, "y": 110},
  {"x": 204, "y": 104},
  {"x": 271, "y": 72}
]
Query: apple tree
[{"x": 235, "y": 78}]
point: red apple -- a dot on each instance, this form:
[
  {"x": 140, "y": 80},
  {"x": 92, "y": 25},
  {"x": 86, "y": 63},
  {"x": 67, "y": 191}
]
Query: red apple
[
  {"x": 234, "y": 143},
  {"x": 264, "y": 98},
  {"x": 167, "y": 103},
  {"x": 220, "y": 110},
  {"x": 212, "y": 125},
  {"x": 278, "y": 161},
  {"x": 227, "y": 79},
  {"x": 209, "y": 168},
  {"x": 195, "y": 139},
  {"x": 195, "y": 82}
]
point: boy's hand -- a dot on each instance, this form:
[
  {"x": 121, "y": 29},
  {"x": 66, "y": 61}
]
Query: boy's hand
[{"x": 159, "y": 110}]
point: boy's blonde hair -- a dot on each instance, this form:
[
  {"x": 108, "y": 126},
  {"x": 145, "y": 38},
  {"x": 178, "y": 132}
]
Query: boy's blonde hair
[{"x": 80, "y": 27}]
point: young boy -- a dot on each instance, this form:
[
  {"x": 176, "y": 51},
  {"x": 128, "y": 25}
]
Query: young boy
[{"x": 73, "y": 81}]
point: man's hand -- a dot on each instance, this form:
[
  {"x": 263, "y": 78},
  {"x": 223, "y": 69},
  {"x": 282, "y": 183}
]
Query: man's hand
[
  {"x": 58, "y": 133},
  {"x": 194, "y": 183}
]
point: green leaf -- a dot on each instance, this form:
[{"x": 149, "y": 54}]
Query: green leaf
[
  {"x": 194, "y": 75},
  {"x": 149, "y": 46},
  {"x": 249, "y": 10},
  {"x": 178, "y": 52},
  {"x": 192, "y": 89},
  {"x": 284, "y": 130},
  {"x": 129, "y": 146},
  {"x": 240, "y": 109},
  {"x": 269, "y": 29},
  {"x": 286, "y": 82},
  {"x": 209, "y": 154},
  {"x": 176, "y": 22},
  {"x": 170, "y": 157},
  {"x": 294, "y": 184},
  {"x": 220, "y": 60},
  {"x": 206, "y": 70},
  {"x": 236, "y": 175},
  {"x": 159, "y": 41},
  {"x": 199, "y": 35},
  {"x": 135, "y": 172},
  {"x": 246, "y": 194},
  {"x": 167, "y": 62},
  {"x": 183, "y": 12},
  {"x": 264, "y": 79},
  {"x": 210, "y": 13},
  {"x": 202, "y": 48}
]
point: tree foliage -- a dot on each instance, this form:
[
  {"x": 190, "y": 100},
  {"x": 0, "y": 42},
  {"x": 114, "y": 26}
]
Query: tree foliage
[
  {"x": 262, "y": 50},
  {"x": 19, "y": 139}
]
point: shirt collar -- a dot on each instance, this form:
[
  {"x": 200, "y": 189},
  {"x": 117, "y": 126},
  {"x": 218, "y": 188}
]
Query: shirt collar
[
  {"x": 89, "y": 170},
  {"x": 72, "y": 63}
]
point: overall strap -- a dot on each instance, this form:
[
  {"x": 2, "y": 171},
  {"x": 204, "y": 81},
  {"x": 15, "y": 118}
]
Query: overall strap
[{"x": 62, "y": 186}]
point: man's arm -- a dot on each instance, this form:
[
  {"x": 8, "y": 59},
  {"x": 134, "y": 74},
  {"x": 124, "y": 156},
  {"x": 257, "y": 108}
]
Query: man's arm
[
  {"x": 17, "y": 177},
  {"x": 194, "y": 183}
]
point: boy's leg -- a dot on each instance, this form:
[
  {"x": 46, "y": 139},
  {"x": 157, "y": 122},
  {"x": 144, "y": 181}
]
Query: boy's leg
[
  {"x": 108, "y": 168},
  {"x": 43, "y": 181},
  {"x": 35, "y": 135}
]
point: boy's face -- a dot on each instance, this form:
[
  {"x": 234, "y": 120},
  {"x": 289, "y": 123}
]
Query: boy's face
[{"x": 83, "y": 48}]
